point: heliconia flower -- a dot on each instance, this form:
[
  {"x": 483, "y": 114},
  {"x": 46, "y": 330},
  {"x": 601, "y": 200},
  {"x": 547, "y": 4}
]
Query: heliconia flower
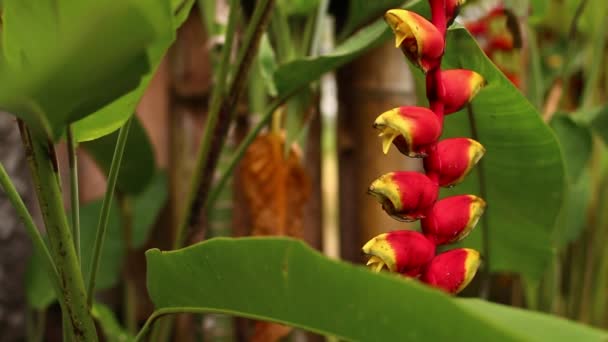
[
  {"x": 460, "y": 86},
  {"x": 402, "y": 251},
  {"x": 452, "y": 8},
  {"x": 477, "y": 27},
  {"x": 411, "y": 129},
  {"x": 453, "y": 270},
  {"x": 404, "y": 195},
  {"x": 452, "y": 219},
  {"x": 496, "y": 12},
  {"x": 417, "y": 37},
  {"x": 513, "y": 77},
  {"x": 503, "y": 42},
  {"x": 454, "y": 158}
]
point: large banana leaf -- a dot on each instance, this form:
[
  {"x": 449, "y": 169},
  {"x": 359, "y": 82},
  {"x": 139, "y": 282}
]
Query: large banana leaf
[
  {"x": 114, "y": 115},
  {"x": 521, "y": 176},
  {"x": 63, "y": 60},
  {"x": 285, "y": 281}
]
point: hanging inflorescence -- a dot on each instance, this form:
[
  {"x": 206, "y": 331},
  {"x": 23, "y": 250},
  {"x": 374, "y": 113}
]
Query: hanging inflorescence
[{"x": 415, "y": 131}]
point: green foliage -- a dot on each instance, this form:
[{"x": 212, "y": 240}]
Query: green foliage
[
  {"x": 285, "y": 281},
  {"x": 113, "y": 116},
  {"x": 596, "y": 119},
  {"x": 61, "y": 60},
  {"x": 146, "y": 207},
  {"x": 112, "y": 330},
  {"x": 522, "y": 172},
  {"x": 361, "y": 12},
  {"x": 293, "y": 75},
  {"x": 138, "y": 165},
  {"x": 298, "y": 7},
  {"x": 576, "y": 142},
  {"x": 38, "y": 288}
]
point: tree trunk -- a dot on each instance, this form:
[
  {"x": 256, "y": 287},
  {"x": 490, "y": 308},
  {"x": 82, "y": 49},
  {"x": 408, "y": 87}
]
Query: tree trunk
[
  {"x": 15, "y": 246},
  {"x": 372, "y": 84}
]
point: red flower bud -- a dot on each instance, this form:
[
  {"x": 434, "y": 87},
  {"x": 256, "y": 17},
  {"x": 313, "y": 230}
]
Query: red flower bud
[
  {"x": 411, "y": 129},
  {"x": 452, "y": 219},
  {"x": 418, "y": 38},
  {"x": 513, "y": 77},
  {"x": 453, "y": 270},
  {"x": 503, "y": 42},
  {"x": 496, "y": 12},
  {"x": 404, "y": 195},
  {"x": 452, "y": 8},
  {"x": 477, "y": 27},
  {"x": 403, "y": 251},
  {"x": 454, "y": 158},
  {"x": 460, "y": 87}
]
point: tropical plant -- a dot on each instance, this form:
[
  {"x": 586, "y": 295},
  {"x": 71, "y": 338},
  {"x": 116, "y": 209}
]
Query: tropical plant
[{"x": 75, "y": 70}]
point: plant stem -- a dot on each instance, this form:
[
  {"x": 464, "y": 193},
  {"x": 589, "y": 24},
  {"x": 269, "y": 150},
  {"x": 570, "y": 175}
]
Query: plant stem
[
  {"x": 105, "y": 209},
  {"x": 74, "y": 200},
  {"x": 284, "y": 42},
  {"x": 595, "y": 67},
  {"x": 129, "y": 291},
  {"x": 318, "y": 30},
  {"x": 37, "y": 240},
  {"x": 205, "y": 144},
  {"x": 44, "y": 169},
  {"x": 216, "y": 131}
]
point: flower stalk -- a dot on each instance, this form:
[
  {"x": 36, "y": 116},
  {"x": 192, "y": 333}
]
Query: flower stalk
[{"x": 415, "y": 132}]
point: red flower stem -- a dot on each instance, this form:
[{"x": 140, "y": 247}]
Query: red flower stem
[{"x": 434, "y": 86}]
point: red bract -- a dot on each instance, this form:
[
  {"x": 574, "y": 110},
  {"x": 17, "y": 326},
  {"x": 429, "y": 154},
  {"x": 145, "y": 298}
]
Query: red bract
[
  {"x": 402, "y": 251},
  {"x": 451, "y": 9},
  {"x": 411, "y": 129},
  {"x": 404, "y": 195},
  {"x": 453, "y": 159},
  {"x": 419, "y": 40},
  {"x": 452, "y": 219},
  {"x": 460, "y": 87},
  {"x": 503, "y": 42},
  {"x": 453, "y": 270}
]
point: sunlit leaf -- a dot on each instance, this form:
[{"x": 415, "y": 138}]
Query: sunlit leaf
[{"x": 284, "y": 281}]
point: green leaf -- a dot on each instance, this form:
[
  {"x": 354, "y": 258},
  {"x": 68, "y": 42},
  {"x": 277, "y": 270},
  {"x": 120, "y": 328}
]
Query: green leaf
[
  {"x": 572, "y": 218},
  {"x": 138, "y": 164},
  {"x": 267, "y": 64},
  {"x": 576, "y": 142},
  {"x": 285, "y": 281},
  {"x": 38, "y": 288},
  {"x": 295, "y": 74},
  {"x": 63, "y": 60},
  {"x": 298, "y": 7},
  {"x": 112, "y": 330},
  {"x": 111, "y": 117},
  {"x": 522, "y": 172},
  {"x": 361, "y": 12},
  {"x": 147, "y": 207},
  {"x": 595, "y": 118}
]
